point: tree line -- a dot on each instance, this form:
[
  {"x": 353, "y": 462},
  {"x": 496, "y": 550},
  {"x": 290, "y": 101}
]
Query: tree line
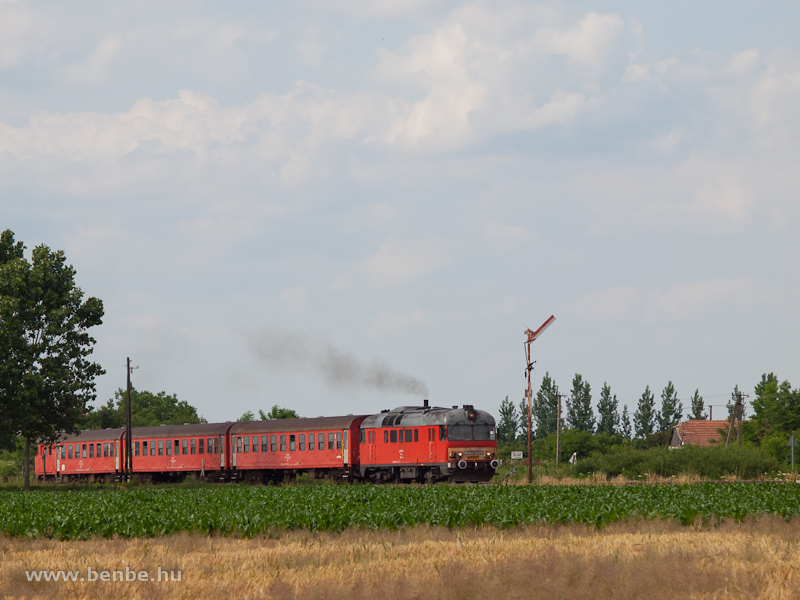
[{"x": 775, "y": 411}]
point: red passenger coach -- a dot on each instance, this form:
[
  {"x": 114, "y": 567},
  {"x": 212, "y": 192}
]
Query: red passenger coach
[
  {"x": 422, "y": 443},
  {"x": 265, "y": 451},
  {"x": 92, "y": 455},
  {"x": 170, "y": 452}
]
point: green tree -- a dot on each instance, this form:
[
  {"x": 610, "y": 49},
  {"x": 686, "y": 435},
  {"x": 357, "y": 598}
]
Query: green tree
[
  {"x": 509, "y": 421},
  {"x": 698, "y": 406},
  {"x": 608, "y": 411},
  {"x": 545, "y": 407},
  {"x": 47, "y": 378},
  {"x": 671, "y": 408},
  {"x": 278, "y": 412},
  {"x": 644, "y": 417},
  {"x": 147, "y": 410},
  {"x": 247, "y": 416},
  {"x": 625, "y": 423},
  {"x": 579, "y": 405},
  {"x": 776, "y": 406}
]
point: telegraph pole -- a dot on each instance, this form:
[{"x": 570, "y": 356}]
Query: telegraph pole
[
  {"x": 128, "y": 468},
  {"x": 558, "y": 429},
  {"x": 532, "y": 335}
]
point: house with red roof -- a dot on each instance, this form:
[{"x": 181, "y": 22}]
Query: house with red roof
[{"x": 699, "y": 433}]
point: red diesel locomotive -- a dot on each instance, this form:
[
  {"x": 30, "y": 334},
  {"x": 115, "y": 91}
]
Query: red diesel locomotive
[{"x": 405, "y": 444}]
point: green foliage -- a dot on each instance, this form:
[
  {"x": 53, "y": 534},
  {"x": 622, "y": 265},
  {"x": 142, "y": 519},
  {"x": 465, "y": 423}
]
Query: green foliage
[
  {"x": 249, "y": 511},
  {"x": 46, "y": 377},
  {"x": 698, "y": 406},
  {"x": 278, "y": 412},
  {"x": 247, "y": 416},
  {"x": 644, "y": 417},
  {"x": 545, "y": 407},
  {"x": 671, "y": 408},
  {"x": 579, "y": 405},
  {"x": 147, "y": 409},
  {"x": 509, "y": 422},
  {"x": 607, "y": 408},
  {"x": 713, "y": 462},
  {"x": 625, "y": 424}
]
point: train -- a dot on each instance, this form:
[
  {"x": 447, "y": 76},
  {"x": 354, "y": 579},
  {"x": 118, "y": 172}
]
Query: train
[{"x": 407, "y": 444}]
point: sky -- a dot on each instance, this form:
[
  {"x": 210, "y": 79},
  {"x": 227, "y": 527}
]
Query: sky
[{"x": 346, "y": 206}]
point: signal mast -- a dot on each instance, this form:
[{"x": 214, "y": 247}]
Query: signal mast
[{"x": 532, "y": 335}]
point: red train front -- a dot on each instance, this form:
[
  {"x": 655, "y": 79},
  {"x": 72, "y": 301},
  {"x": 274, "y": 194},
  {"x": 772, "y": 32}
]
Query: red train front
[{"x": 423, "y": 443}]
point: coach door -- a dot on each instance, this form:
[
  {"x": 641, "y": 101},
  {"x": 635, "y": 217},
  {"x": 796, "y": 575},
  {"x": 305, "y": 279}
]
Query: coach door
[
  {"x": 431, "y": 444},
  {"x": 345, "y": 452},
  {"x": 233, "y": 450},
  {"x": 221, "y": 452}
]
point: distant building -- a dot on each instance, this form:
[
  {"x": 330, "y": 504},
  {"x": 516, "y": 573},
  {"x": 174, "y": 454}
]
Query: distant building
[{"x": 699, "y": 433}]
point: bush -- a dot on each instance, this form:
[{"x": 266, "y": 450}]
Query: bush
[{"x": 712, "y": 462}]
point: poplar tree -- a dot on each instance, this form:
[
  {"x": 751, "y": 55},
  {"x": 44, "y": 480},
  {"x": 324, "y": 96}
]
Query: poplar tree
[
  {"x": 579, "y": 405},
  {"x": 698, "y": 406},
  {"x": 509, "y": 421},
  {"x": 644, "y": 417},
  {"x": 608, "y": 411},
  {"x": 625, "y": 423},
  {"x": 671, "y": 408},
  {"x": 545, "y": 407}
]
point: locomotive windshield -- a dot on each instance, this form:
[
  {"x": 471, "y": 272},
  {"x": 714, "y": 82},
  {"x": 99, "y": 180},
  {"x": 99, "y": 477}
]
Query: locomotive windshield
[{"x": 465, "y": 433}]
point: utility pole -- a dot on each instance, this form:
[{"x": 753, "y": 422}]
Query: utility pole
[
  {"x": 737, "y": 414},
  {"x": 558, "y": 429},
  {"x": 128, "y": 468},
  {"x": 532, "y": 335}
]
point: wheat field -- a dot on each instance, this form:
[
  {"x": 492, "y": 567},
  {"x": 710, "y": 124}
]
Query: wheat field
[{"x": 755, "y": 559}]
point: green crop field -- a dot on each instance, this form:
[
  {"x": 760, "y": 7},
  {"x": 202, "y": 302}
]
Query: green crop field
[{"x": 246, "y": 511}]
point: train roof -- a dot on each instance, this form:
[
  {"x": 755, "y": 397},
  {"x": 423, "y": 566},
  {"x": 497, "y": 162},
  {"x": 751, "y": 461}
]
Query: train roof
[
  {"x": 187, "y": 430},
  {"x": 92, "y": 435},
  {"x": 427, "y": 416},
  {"x": 283, "y": 425}
]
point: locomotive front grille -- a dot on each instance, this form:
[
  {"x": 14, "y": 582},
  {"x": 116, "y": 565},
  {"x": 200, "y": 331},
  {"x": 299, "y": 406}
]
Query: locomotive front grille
[{"x": 471, "y": 454}]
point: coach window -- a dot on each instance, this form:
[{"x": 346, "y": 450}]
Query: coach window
[
  {"x": 416, "y": 435},
  {"x": 245, "y": 442},
  {"x": 311, "y": 439},
  {"x": 211, "y": 445},
  {"x": 409, "y": 434},
  {"x": 283, "y": 442},
  {"x": 301, "y": 443},
  {"x": 168, "y": 445},
  {"x": 273, "y": 443},
  {"x": 255, "y": 443},
  {"x": 331, "y": 441},
  {"x": 264, "y": 443},
  {"x": 193, "y": 446},
  {"x": 442, "y": 433},
  {"x": 161, "y": 447},
  {"x": 83, "y": 451},
  {"x": 201, "y": 445},
  {"x": 320, "y": 441},
  {"x": 144, "y": 448},
  {"x": 184, "y": 445},
  {"x": 338, "y": 440},
  {"x": 91, "y": 450},
  {"x": 291, "y": 442},
  {"x": 152, "y": 447},
  {"x": 393, "y": 436},
  {"x": 386, "y": 436},
  {"x": 135, "y": 449},
  {"x": 177, "y": 447},
  {"x": 98, "y": 449},
  {"x": 69, "y": 450}
]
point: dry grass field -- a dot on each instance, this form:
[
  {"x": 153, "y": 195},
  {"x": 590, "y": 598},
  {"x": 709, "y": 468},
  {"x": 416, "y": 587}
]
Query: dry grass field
[{"x": 626, "y": 560}]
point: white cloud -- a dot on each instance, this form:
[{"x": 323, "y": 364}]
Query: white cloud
[
  {"x": 399, "y": 262},
  {"x": 681, "y": 302},
  {"x": 505, "y": 238},
  {"x": 97, "y": 64}
]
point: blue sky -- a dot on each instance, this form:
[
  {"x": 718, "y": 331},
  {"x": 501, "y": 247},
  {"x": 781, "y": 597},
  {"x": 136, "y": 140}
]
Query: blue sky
[{"x": 343, "y": 206}]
